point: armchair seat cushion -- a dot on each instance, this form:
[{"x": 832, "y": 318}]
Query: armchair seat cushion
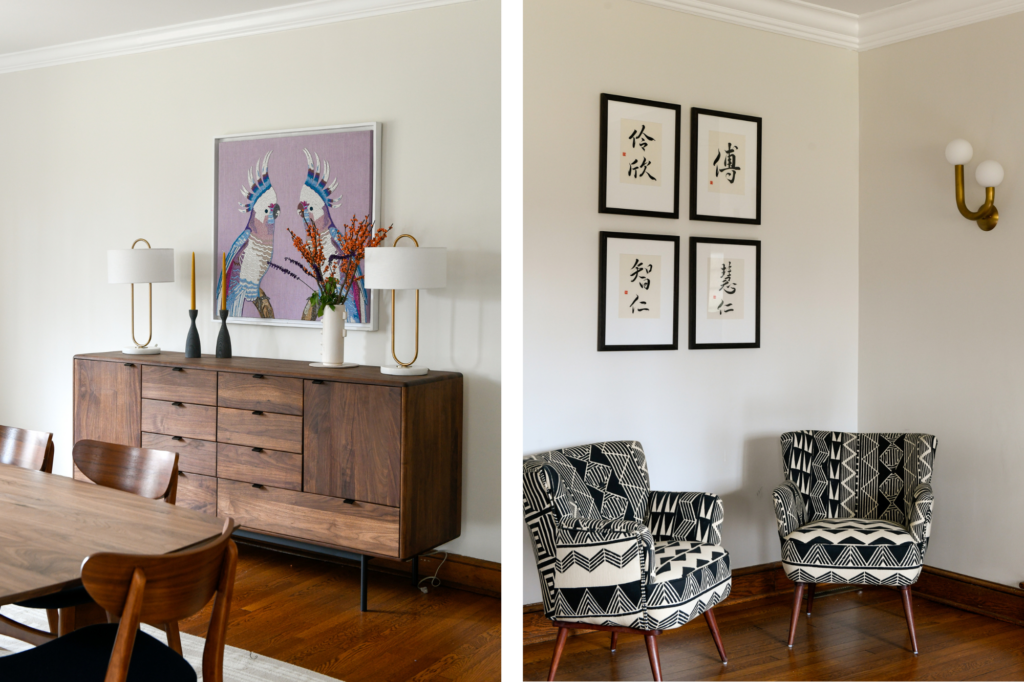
[
  {"x": 853, "y": 552},
  {"x": 689, "y": 579}
]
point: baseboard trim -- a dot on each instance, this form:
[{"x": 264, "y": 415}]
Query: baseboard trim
[
  {"x": 754, "y": 583},
  {"x": 461, "y": 572}
]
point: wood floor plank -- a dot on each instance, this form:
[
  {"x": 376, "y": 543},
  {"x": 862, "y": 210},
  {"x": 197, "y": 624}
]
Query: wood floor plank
[
  {"x": 306, "y": 612},
  {"x": 851, "y": 636}
]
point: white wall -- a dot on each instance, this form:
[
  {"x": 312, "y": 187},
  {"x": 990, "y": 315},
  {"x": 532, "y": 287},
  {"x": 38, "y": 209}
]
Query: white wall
[
  {"x": 942, "y": 303},
  {"x": 709, "y": 420},
  {"x": 98, "y": 153}
]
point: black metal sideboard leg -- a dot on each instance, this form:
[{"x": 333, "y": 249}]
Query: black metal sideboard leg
[
  {"x": 416, "y": 571},
  {"x": 363, "y": 560}
]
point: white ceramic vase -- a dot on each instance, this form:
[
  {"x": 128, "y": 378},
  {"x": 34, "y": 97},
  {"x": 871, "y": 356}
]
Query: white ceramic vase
[{"x": 333, "y": 352}]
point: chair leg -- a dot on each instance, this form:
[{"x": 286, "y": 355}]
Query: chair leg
[
  {"x": 67, "y": 621},
  {"x": 797, "y": 596},
  {"x": 652, "y": 653},
  {"x": 173, "y": 636},
  {"x": 908, "y": 609},
  {"x": 615, "y": 640},
  {"x": 810, "y": 596},
  {"x": 709, "y": 616},
  {"x": 559, "y": 645},
  {"x": 53, "y": 618}
]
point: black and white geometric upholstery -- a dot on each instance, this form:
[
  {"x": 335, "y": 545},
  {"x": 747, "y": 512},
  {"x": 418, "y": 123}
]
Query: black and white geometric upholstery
[
  {"x": 855, "y": 508},
  {"x": 610, "y": 551}
]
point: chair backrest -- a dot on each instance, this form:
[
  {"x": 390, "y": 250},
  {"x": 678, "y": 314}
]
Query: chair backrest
[
  {"x": 166, "y": 588},
  {"x": 26, "y": 449},
  {"x": 145, "y": 472},
  {"x": 858, "y": 475}
]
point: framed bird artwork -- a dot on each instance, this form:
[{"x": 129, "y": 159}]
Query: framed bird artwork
[{"x": 274, "y": 188}]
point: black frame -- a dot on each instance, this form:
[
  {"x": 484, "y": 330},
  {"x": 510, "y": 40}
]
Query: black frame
[
  {"x": 602, "y": 281},
  {"x": 694, "y": 113},
  {"x": 693, "y": 293},
  {"x": 602, "y": 191}
]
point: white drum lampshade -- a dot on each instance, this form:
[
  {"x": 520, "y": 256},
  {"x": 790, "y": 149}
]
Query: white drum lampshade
[
  {"x": 393, "y": 267},
  {"x": 140, "y": 266}
]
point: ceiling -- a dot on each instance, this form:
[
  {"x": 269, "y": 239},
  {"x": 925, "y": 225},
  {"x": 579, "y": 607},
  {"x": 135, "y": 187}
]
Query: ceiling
[
  {"x": 857, "y": 7},
  {"x": 29, "y": 25}
]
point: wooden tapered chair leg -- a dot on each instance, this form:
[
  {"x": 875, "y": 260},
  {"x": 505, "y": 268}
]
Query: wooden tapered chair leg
[
  {"x": 67, "y": 621},
  {"x": 173, "y": 636},
  {"x": 53, "y": 618},
  {"x": 810, "y": 596},
  {"x": 559, "y": 645},
  {"x": 709, "y": 616},
  {"x": 908, "y": 609},
  {"x": 652, "y": 653},
  {"x": 615, "y": 640},
  {"x": 797, "y": 596}
]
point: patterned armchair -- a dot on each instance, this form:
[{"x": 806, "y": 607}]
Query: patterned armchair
[
  {"x": 855, "y": 509},
  {"x": 612, "y": 555}
]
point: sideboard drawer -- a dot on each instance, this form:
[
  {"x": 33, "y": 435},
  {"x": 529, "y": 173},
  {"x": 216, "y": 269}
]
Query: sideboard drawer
[
  {"x": 256, "y": 465},
  {"x": 360, "y": 526},
  {"x": 257, "y": 429},
  {"x": 197, "y": 492},
  {"x": 179, "y": 419},
  {"x": 259, "y": 392},
  {"x": 180, "y": 384},
  {"x": 196, "y": 456}
]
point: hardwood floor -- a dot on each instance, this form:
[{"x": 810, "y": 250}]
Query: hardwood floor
[
  {"x": 306, "y": 612},
  {"x": 855, "y": 635}
]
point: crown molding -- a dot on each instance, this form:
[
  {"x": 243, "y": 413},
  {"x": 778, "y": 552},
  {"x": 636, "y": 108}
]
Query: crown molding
[
  {"x": 799, "y": 19},
  {"x": 270, "y": 20}
]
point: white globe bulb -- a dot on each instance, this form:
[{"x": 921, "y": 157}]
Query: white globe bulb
[
  {"x": 989, "y": 174},
  {"x": 959, "y": 152}
]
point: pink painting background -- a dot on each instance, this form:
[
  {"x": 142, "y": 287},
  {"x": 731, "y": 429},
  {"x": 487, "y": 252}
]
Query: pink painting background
[{"x": 350, "y": 154}]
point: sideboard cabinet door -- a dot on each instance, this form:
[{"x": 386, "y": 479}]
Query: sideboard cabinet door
[
  {"x": 108, "y": 402},
  {"x": 352, "y": 441}
]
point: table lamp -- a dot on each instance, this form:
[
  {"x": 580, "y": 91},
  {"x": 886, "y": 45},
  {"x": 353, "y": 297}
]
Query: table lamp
[
  {"x": 140, "y": 266},
  {"x": 419, "y": 267}
]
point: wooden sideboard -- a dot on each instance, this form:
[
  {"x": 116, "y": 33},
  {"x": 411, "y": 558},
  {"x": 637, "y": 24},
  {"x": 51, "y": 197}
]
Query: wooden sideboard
[{"x": 349, "y": 460}]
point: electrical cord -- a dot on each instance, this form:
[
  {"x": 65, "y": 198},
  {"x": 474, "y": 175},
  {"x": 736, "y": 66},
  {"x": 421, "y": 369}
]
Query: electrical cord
[{"x": 434, "y": 582}]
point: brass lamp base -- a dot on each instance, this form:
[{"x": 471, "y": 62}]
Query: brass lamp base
[
  {"x": 140, "y": 350},
  {"x": 989, "y": 221},
  {"x": 404, "y": 371}
]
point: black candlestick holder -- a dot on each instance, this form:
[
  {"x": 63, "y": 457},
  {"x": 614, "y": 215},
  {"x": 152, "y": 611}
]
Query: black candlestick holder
[
  {"x": 224, "y": 339},
  {"x": 193, "y": 349}
]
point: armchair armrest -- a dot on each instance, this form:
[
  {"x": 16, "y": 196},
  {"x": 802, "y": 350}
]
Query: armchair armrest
[
  {"x": 695, "y": 517},
  {"x": 920, "y": 524},
  {"x": 790, "y": 512},
  {"x": 581, "y": 545}
]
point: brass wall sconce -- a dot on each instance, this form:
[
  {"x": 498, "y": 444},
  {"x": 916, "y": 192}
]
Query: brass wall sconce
[{"x": 989, "y": 174}]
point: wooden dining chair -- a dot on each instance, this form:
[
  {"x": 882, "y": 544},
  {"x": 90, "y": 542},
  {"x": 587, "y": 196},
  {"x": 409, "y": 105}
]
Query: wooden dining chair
[
  {"x": 26, "y": 449},
  {"x": 142, "y": 471},
  {"x": 137, "y": 588}
]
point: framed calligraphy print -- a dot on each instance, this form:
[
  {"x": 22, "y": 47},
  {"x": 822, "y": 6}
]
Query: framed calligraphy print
[
  {"x": 639, "y": 162},
  {"x": 725, "y": 167},
  {"x": 638, "y": 292},
  {"x": 725, "y": 293}
]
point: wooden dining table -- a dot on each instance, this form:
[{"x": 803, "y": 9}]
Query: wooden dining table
[{"x": 49, "y": 524}]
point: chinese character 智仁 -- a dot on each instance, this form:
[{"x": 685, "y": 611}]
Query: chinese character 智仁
[{"x": 639, "y": 272}]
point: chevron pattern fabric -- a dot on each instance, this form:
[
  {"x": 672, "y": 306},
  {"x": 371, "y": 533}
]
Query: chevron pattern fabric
[
  {"x": 611, "y": 552},
  {"x": 855, "y": 508}
]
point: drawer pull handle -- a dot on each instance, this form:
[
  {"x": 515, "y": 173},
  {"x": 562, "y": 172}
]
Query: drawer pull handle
[
  {"x": 178, "y": 438},
  {"x": 129, "y": 364},
  {"x": 257, "y": 485},
  {"x": 178, "y": 404},
  {"x": 349, "y": 501},
  {"x": 257, "y": 449},
  {"x": 257, "y": 376},
  {"x": 318, "y": 381},
  {"x": 178, "y": 369},
  {"x": 257, "y": 412}
]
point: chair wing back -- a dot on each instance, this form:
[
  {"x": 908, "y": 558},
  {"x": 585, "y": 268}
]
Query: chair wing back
[
  {"x": 858, "y": 475},
  {"x": 597, "y": 481},
  {"x": 178, "y": 585},
  {"x": 26, "y": 449},
  {"x": 145, "y": 472}
]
